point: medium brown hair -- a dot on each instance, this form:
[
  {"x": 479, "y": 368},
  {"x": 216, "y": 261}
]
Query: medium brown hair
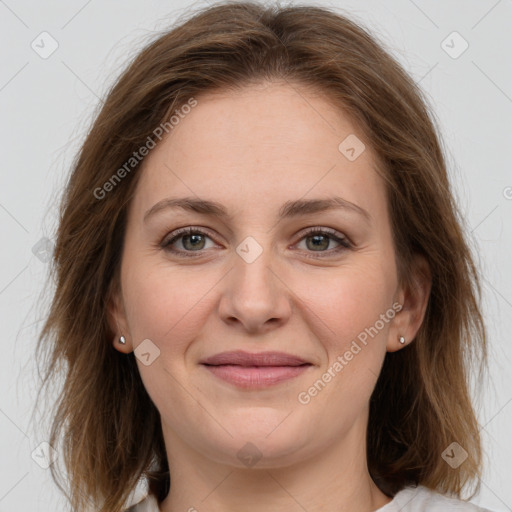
[{"x": 107, "y": 425}]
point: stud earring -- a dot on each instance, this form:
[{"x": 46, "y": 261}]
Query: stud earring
[
  {"x": 122, "y": 340},
  {"x": 401, "y": 340}
]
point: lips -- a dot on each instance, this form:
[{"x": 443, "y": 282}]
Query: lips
[
  {"x": 241, "y": 358},
  {"x": 246, "y": 370}
]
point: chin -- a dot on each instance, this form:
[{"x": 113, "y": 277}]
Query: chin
[{"x": 260, "y": 444}]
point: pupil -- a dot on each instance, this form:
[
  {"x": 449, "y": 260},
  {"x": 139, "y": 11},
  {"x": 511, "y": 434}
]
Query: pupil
[
  {"x": 196, "y": 238},
  {"x": 318, "y": 239}
]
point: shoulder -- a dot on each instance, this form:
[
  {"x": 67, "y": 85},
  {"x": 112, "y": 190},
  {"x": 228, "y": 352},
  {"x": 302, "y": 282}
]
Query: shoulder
[
  {"x": 422, "y": 499},
  {"x": 409, "y": 499},
  {"x": 148, "y": 504}
]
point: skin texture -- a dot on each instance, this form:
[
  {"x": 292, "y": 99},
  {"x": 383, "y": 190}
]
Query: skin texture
[{"x": 252, "y": 151}]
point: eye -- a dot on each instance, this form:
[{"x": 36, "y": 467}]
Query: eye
[
  {"x": 191, "y": 239},
  {"x": 318, "y": 240}
]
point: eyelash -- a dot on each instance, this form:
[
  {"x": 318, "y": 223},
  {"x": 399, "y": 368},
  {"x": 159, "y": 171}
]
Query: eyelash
[{"x": 179, "y": 233}]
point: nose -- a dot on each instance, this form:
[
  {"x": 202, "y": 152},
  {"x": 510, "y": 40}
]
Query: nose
[{"x": 255, "y": 297}]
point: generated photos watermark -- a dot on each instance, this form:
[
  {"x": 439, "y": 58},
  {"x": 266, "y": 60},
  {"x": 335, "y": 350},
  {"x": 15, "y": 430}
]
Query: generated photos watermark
[
  {"x": 143, "y": 151},
  {"x": 304, "y": 397}
]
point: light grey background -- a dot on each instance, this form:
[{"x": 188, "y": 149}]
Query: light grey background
[{"x": 46, "y": 104}]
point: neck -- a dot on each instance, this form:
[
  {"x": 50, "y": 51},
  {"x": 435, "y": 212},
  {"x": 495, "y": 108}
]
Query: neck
[{"x": 335, "y": 479}]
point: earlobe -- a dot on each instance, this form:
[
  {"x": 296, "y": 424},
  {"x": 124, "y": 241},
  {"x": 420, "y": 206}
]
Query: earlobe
[
  {"x": 414, "y": 300},
  {"x": 117, "y": 323},
  {"x": 396, "y": 344},
  {"x": 121, "y": 345}
]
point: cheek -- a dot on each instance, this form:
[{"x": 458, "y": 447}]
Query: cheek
[
  {"x": 345, "y": 315},
  {"x": 167, "y": 307},
  {"x": 164, "y": 305},
  {"x": 347, "y": 302}
]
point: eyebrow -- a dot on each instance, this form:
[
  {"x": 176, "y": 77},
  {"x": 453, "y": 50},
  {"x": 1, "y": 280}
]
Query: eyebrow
[{"x": 288, "y": 210}]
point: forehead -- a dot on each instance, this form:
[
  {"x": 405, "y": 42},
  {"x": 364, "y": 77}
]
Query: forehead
[
  {"x": 263, "y": 142},
  {"x": 278, "y": 115}
]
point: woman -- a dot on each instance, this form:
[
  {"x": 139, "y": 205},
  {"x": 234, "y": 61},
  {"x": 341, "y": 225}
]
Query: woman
[{"x": 264, "y": 298}]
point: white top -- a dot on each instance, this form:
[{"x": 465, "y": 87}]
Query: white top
[{"x": 409, "y": 499}]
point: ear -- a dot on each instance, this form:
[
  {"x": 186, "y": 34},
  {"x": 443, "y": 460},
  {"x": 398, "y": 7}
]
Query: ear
[
  {"x": 414, "y": 299},
  {"x": 116, "y": 317}
]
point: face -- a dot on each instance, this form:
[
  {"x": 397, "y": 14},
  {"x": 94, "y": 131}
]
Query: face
[{"x": 264, "y": 276}]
